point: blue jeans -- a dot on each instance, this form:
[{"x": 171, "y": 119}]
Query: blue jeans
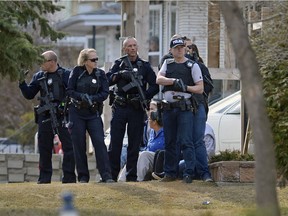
[
  {"x": 199, "y": 124},
  {"x": 177, "y": 131},
  {"x": 185, "y": 131}
]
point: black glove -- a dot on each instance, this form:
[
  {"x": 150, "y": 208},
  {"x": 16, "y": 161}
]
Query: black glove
[
  {"x": 86, "y": 99},
  {"x": 22, "y": 75},
  {"x": 178, "y": 85},
  {"x": 125, "y": 74}
]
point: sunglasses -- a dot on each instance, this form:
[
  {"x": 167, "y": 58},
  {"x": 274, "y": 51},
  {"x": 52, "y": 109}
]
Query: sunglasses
[
  {"x": 94, "y": 59},
  {"x": 190, "y": 46}
]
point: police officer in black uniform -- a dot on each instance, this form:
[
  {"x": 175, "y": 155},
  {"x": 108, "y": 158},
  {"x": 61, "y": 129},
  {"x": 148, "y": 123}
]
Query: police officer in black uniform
[
  {"x": 127, "y": 108},
  {"x": 88, "y": 87},
  {"x": 56, "y": 79}
]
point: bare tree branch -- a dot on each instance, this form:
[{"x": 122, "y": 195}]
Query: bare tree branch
[{"x": 266, "y": 196}]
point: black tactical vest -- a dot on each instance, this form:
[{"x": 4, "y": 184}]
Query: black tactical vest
[
  {"x": 55, "y": 85},
  {"x": 140, "y": 73},
  {"x": 179, "y": 70},
  {"x": 88, "y": 83}
]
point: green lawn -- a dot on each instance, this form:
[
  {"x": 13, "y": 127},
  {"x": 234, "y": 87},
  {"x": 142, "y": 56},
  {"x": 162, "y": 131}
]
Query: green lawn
[{"x": 139, "y": 198}]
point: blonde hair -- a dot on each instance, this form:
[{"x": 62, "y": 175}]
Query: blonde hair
[{"x": 84, "y": 55}]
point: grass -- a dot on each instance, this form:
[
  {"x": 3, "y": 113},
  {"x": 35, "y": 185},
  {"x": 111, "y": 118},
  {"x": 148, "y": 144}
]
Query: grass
[{"x": 133, "y": 198}]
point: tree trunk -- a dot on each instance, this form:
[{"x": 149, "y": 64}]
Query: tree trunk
[{"x": 265, "y": 175}]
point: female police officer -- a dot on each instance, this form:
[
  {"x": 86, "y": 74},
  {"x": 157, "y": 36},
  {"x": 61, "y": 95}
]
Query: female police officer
[
  {"x": 183, "y": 113},
  {"x": 88, "y": 87}
]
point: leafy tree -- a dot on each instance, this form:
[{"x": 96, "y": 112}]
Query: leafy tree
[
  {"x": 271, "y": 48},
  {"x": 19, "y": 20}
]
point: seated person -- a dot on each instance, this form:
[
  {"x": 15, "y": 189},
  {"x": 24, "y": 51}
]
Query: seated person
[
  {"x": 209, "y": 141},
  {"x": 155, "y": 142}
]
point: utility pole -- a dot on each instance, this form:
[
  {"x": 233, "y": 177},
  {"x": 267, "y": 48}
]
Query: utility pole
[{"x": 135, "y": 23}]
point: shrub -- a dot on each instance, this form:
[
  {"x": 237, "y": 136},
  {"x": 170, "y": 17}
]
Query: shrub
[{"x": 229, "y": 155}]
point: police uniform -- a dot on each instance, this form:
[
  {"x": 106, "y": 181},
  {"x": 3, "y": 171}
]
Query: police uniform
[
  {"x": 85, "y": 115},
  {"x": 127, "y": 110},
  {"x": 184, "y": 120},
  {"x": 56, "y": 83}
]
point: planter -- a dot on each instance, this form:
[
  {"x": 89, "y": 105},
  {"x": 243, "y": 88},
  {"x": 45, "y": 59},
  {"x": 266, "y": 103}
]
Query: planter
[{"x": 233, "y": 171}]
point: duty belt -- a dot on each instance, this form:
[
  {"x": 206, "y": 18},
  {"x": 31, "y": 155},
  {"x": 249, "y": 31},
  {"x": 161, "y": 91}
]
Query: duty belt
[
  {"x": 131, "y": 99},
  {"x": 182, "y": 104}
]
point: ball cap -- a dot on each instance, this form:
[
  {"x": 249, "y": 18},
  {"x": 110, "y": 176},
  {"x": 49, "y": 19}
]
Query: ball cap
[{"x": 177, "y": 42}]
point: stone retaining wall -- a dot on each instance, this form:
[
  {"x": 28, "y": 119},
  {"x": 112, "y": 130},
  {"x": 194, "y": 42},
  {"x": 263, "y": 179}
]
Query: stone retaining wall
[
  {"x": 24, "y": 167},
  {"x": 233, "y": 171}
]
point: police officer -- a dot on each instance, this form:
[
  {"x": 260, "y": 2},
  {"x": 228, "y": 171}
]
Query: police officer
[
  {"x": 88, "y": 87},
  {"x": 127, "y": 108},
  {"x": 56, "y": 79},
  {"x": 183, "y": 112}
]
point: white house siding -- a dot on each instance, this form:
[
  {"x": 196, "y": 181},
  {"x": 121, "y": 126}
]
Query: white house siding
[
  {"x": 223, "y": 40},
  {"x": 112, "y": 45},
  {"x": 165, "y": 37},
  {"x": 193, "y": 19}
]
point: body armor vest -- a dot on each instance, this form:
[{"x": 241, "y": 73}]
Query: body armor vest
[
  {"x": 55, "y": 85},
  {"x": 179, "y": 70},
  {"x": 89, "y": 84},
  {"x": 183, "y": 71},
  {"x": 139, "y": 65}
]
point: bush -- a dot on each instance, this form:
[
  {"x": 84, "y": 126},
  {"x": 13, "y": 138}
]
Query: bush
[{"x": 229, "y": 155}]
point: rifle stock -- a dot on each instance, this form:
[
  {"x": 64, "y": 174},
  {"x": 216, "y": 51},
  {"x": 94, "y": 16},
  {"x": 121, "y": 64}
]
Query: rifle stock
[
  {"x": 49, "y": 106},
  {"x": 135, "y": 82}
]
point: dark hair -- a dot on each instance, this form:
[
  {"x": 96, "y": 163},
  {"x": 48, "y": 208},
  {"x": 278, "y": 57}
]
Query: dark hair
[
  {"x": 195, "y": 49},
  {"x": 156, "y": 116}
]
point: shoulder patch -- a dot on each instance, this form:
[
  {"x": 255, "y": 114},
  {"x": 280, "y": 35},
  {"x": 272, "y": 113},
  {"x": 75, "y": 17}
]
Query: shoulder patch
[{"x": 190, "y": 63}]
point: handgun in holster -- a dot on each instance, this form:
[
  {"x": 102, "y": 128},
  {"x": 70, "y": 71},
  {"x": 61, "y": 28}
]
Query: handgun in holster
[
  {"x": 111, "y": 97},
  {"x": 194, "y": 104},
  {"x": 36, "y": 114}
]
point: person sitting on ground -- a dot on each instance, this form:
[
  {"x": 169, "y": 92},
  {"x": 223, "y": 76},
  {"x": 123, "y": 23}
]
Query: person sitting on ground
[
  {"x": 210, "y": 144},
  {"x": 155, "y": 142}
]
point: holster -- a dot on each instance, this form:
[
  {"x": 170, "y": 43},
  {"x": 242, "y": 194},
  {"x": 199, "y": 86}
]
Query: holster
[
  {"x": 135, "y": 102},
  {"x": 121, "y": 101},
  {"x": 97, "y": 107},
  {"x": 194, "y": 104},
  {"x": 35, "y": 113},
  {"x": 111, "y": 97}
]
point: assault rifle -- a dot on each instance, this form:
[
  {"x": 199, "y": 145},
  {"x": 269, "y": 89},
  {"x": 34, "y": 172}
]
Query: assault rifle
[
  {"x": 48, "y": 105},
  {"x": 136, "y": 81},
  {"x": 65, "y": 109}
]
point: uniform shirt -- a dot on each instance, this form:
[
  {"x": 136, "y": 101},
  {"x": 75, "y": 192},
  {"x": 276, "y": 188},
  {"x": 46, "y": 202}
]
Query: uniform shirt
[{"x": 156, "y": 140}]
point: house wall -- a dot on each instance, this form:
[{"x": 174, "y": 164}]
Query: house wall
[{"x": 192, "y": 19}]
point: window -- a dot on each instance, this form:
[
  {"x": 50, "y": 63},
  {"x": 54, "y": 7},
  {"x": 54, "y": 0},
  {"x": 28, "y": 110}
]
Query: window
[{"x": 155, "y": 34}]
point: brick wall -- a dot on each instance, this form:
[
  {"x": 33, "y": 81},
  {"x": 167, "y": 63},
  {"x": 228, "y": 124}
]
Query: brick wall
[{"x": 24, "y": 167}]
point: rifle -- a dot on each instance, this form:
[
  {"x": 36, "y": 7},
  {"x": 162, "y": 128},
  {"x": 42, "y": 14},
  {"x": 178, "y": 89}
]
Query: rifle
[
  {"x": 135, "y": 82},
  {"x": 49, "y": 106},
  {"x": 67, "y": 101}
]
